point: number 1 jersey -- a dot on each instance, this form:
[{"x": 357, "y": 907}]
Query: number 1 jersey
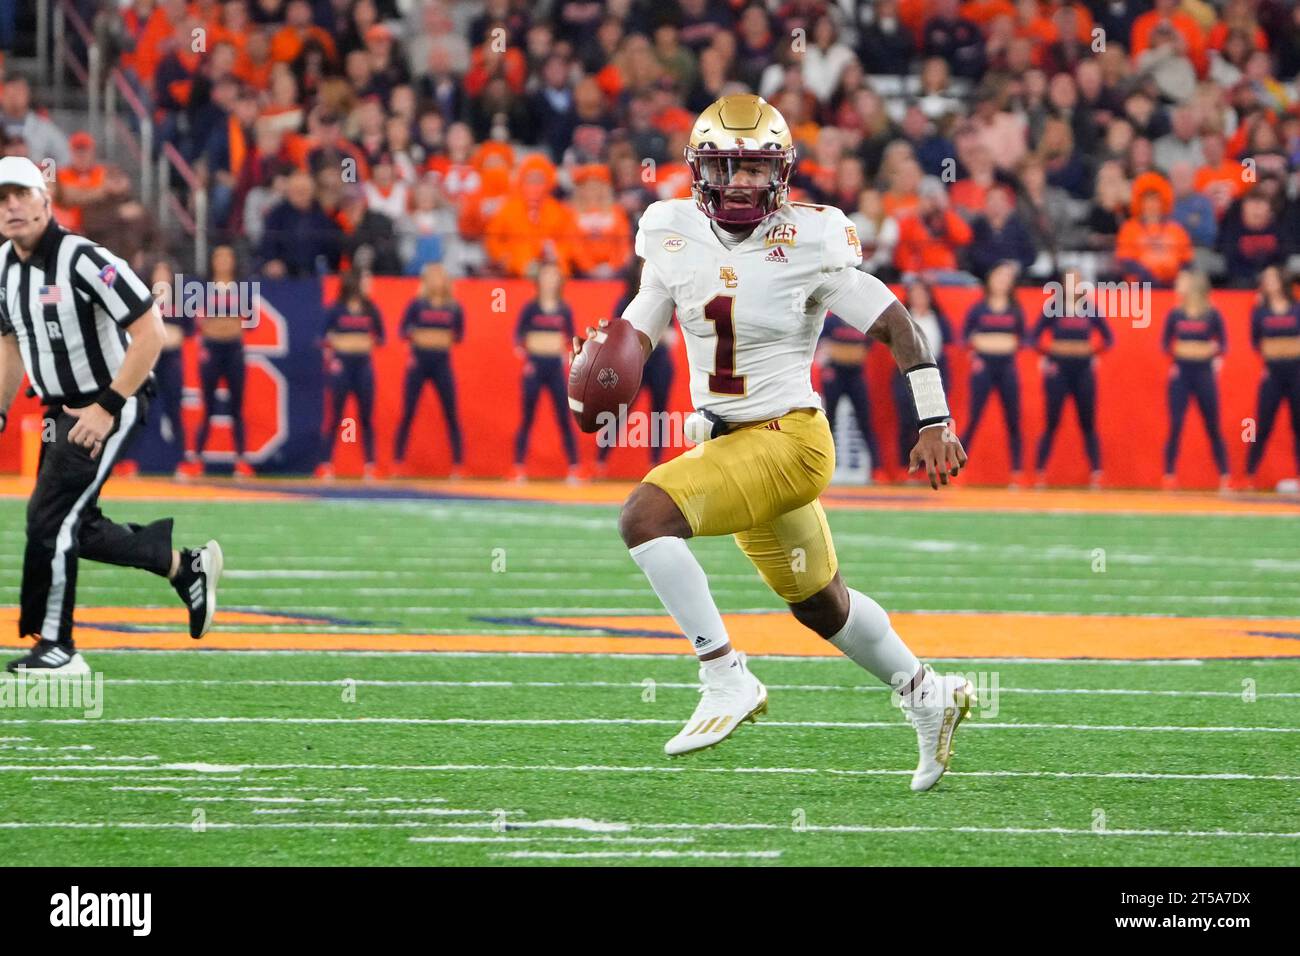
[{"x": 751, "y": 315}]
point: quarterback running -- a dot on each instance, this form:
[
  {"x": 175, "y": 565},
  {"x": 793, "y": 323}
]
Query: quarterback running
[{"x": 751, "y": 276}]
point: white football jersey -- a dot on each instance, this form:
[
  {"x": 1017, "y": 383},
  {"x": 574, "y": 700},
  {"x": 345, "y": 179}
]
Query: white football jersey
[{"x": 750, "y": 315}]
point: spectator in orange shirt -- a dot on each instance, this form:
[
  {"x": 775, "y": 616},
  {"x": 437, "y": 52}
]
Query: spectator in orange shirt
[
  {"x": 478, "y": 207},
  {"x": 82, "y": 181},
  {"x": 531, "y": 226},
  {"x": 233, "y": 26},
  {"x": 603, "y": 243},
  {"x": 487, "y": 64},
  {"x": 1220, "y": 178},
  {"x": 969, "y": 194},
  {"x": 1185, "y": 25},
  {"x": 1151, "y": 247},
  {"x": 928, "y": 239},
  {"x": 150, "y": 44},
  {"x": 253, "y": 67},
  {"x": 298, "y": 29},
  {"x": 904, "y": 175}
]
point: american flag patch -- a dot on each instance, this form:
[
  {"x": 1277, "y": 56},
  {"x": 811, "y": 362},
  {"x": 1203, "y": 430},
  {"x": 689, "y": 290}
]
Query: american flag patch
[
  {"x": 108, "y": 274},
  {"x": 49, "y": 295}
]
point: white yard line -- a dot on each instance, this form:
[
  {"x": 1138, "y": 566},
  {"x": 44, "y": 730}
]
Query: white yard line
[
  {"x": 869, "y": 828},
  {"x": 639, "y": 685},
  {"x": 642, "y": 854},
  {"x": 96, "y": 777},
  {"x": 623, "y": 722}
]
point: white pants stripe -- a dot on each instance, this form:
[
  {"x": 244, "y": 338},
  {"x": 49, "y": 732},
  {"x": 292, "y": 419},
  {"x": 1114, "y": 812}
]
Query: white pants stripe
[{"x": 63, "y": 544}]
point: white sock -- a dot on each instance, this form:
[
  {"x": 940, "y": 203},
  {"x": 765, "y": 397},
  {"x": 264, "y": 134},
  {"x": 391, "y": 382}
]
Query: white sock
[
  {"x": 683, "y": 588},
  {"x": 869, "y": 641},
  {"x": 728, "y": 665}
]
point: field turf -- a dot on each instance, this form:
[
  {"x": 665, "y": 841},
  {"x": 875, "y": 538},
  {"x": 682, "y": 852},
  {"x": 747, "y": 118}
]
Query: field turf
[{"x": 360, "y": 758}]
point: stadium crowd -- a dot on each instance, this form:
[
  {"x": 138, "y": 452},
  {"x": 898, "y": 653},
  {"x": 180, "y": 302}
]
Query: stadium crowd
[{"x": 1125, "y": 139}]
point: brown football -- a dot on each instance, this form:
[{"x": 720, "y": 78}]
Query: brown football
[{"x": 605, "y": 374}]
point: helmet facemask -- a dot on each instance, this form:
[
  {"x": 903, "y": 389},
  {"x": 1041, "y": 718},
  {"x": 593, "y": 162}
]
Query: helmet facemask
[{"x": 733, "y": 206}]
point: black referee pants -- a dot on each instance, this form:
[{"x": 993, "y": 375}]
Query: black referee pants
[{"x": 64, "y": 523}]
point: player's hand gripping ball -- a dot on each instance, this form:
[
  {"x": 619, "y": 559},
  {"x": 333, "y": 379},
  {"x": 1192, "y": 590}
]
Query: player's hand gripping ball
[{"x": 605, "y": 372}]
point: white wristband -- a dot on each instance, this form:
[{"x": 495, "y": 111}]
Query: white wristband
[{"x": 927, "y": 394}]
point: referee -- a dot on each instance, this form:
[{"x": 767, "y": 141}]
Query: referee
[{"x": 85, "y": 329}]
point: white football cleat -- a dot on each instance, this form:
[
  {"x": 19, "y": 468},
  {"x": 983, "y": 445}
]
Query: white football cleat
[
  {"x": 945, "y": 702},
  {"x": 727, "y": 700}
]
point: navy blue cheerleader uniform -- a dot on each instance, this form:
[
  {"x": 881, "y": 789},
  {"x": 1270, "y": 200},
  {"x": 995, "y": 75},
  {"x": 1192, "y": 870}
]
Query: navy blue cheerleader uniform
[
  {"x": 545, "y": 372},
  {"x": 1193, "y": 341},
  {"x": 1069, "y": 375},
  {"x": 1276, "y": 336},
  {"x": 222, "y": 361},
  {"x": 996, "y": 336},
  {"x": 353, "y": 374},
  {"x": 432, "y": 365}
]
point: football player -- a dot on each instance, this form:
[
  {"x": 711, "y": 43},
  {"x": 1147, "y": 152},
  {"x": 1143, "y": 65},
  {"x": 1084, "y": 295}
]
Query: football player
[{"x": 751, "y": 276}]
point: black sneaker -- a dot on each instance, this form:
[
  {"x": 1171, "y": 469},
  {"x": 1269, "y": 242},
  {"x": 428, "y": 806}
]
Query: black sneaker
[
  {"x": 49, "y": 657},
  {"x": 196, "y": 583}
]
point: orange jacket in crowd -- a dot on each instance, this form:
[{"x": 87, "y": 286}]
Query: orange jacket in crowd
[
  {"x": 531, "y": 224},
  {"x": 479, "y": 206},
  {"x": 1161, "y": 248},
  {"x": 150, "y": 46},
  {"x": 287, "y": 43},
  {"x": 604, "y": 238},
  {"x": 1184, "y": 23},
  {"x": 919, "y": 248}
]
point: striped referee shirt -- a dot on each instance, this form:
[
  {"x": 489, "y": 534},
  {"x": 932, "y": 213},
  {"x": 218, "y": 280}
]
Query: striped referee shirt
[{"x": 69, "y": 305}]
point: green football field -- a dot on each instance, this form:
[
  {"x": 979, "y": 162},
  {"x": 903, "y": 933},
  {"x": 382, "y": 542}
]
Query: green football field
[{"x": 272, "y": 757}]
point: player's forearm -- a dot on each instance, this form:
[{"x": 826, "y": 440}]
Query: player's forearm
[
  {"x": 897, "y": 329},
  {"x": 906, "y": 341},
  {"x": 11, "y": 371},
  {"x": 147, "y": 335}
]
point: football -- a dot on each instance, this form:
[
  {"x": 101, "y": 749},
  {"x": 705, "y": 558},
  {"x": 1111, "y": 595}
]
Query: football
[{"x": 605, "y": 374}]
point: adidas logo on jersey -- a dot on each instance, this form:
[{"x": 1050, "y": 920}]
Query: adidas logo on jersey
[{"x": 776, "y": 255}]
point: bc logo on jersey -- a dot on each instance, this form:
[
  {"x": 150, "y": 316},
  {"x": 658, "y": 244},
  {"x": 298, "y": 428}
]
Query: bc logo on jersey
[
  {"x": 854, "y": 243},
  {"x": 728, "y": 276}
]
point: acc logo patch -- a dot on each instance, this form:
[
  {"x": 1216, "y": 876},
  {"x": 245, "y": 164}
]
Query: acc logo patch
[
  {"x": 674, "y": 244},
  {"x": 108, "y": 274}
]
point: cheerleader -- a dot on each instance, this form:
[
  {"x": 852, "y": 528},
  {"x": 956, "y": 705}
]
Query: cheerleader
[
  {"x": 1068, "y": 364},
  {"x": 541, "y": 337},
  {"x": 1275, "y": 334},
  {"x": 433, "y": 322},
  {"x": 221, "y": 360},
  {"x": 1195, "y": 338},
  {"x": 353, "y": 328},
  {"x": 994, "y": 331}
]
